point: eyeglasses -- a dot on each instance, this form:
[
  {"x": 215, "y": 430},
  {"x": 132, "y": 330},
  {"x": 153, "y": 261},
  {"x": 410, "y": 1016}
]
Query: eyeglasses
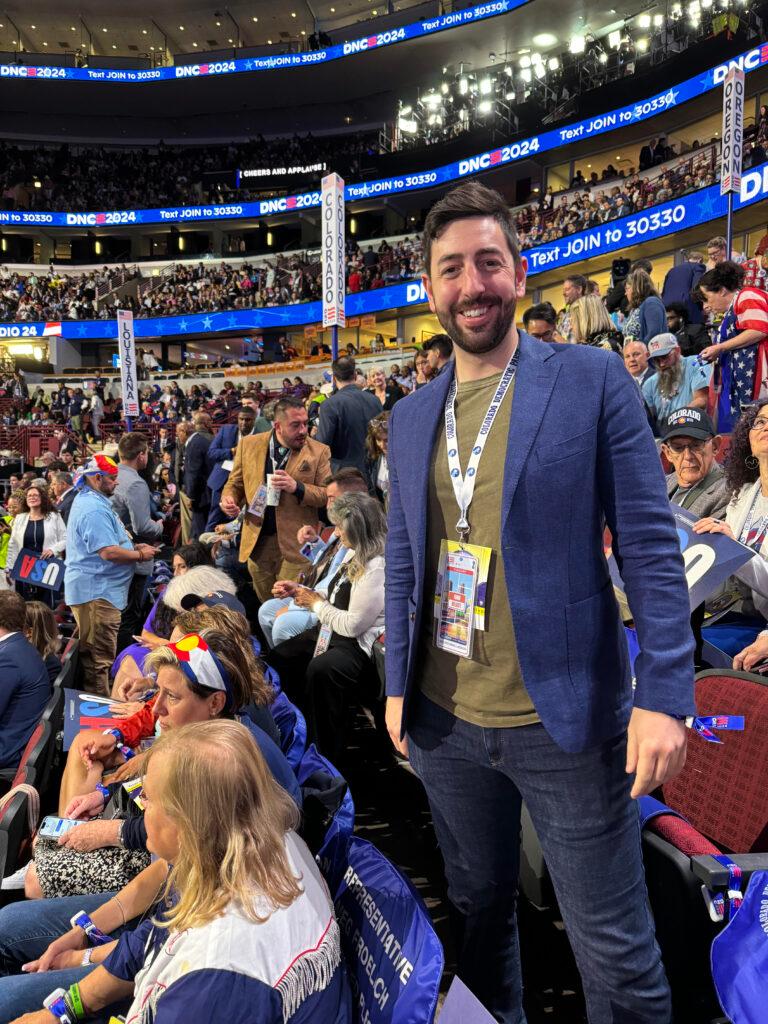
[
  {"x": 695, "y": 447},
  {"x": 759, "y": 424}
]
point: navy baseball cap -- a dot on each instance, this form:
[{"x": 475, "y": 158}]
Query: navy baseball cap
[
  {"x": 217, "y": 597},
  {"x": 689, "y": 423}
]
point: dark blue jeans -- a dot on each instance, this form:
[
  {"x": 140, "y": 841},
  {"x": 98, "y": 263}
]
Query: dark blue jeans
[{"x": 476, "y": 780}]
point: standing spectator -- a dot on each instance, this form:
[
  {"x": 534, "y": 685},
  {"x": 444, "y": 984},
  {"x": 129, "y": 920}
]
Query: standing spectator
[
  {"x": 297, "y": 467},
  {"x": 742, "y": 348},
  {"x": 680, "y": 282},
  {"x": 439, "y": 350},
  {"x": 680, "y": 382},
  {"x": 194, "y": 487},
  {"x": 647, "y": 157},
  {"x": 691, "y": 337},
  {"x": 387, "y": 392},
  {"x": 574, "y": 286},
  {"x": 24, "y": 685},
  {"x": 591, "y": 325},
  {"x": 100, "y": 564},
  {"x": 647, "y": 316},
  {"x": 220, "y": 456},
  {"x": 65, "y": 494},
  {"x": 540, "y": 321},
  {"x": 131, "y": 501},
  {"x": 40, "y": 529},
  {"x": 97, "y": 415},
  {"x": 344, "y": 418}
]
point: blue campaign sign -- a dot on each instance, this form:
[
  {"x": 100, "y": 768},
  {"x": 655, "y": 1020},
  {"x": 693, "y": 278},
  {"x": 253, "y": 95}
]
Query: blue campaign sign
[
  {"x": 634, "y": 113},
  {"x": 375, "y": 41},
  {"x": 689, "y": 211},
  {"x": 29, "y": 567},
  {"x": 710, "y": 558}
]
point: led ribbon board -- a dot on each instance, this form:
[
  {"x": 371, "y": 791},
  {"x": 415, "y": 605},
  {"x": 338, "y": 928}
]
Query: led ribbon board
[
  {"x": 677, "y": 215},
  {"x": 592, "y": 127},
  {"x": 216, "y": 68}
]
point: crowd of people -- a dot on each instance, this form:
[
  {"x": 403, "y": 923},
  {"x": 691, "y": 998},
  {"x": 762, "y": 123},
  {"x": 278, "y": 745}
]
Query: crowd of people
[
  {"x": 82, "y": 177},
  {"x": 250, "y": 549}
]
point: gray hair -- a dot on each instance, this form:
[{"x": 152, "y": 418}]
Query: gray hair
[
  {"x": 362, "y": 519},
  {"x": 200, "y": 580}
]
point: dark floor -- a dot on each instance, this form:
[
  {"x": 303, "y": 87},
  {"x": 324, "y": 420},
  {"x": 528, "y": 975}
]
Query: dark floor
[{"x": 391, "y": 811}]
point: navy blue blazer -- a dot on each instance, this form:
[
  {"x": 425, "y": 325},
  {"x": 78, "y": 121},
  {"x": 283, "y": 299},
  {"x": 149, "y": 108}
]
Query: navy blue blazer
[
  {"x": 220, "y": 451},
  {"x": 580, "y": 456}
]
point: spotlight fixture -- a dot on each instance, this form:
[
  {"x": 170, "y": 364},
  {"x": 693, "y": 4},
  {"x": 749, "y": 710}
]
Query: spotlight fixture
[
  {"x": 644, "y": 21},
  {"x": 577, "y": 44},
  {"x": 463, "y": 85},
  {"x": 525, "y": 62},
  {"x": 484, "y": 107},
  {"x": 553, "y": 63},
  {"x": 614, "y": 39},
  {"x": 486, "y": 86}
]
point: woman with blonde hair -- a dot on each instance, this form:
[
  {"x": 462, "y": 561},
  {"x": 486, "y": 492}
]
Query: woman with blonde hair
[
  {"x": 591, "y": 325},
  {"x": 42, "y": 632},
  {"x": 248, "y": 931}
]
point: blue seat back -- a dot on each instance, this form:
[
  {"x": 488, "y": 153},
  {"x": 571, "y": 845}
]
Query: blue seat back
[{"x": 292, "y": 728}]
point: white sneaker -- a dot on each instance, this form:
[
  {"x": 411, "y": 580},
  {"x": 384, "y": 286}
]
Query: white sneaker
[{"x": 16, "y": 880}]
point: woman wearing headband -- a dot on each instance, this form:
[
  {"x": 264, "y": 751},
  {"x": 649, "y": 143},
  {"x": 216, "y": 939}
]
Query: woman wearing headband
[{"x": 248, "y": 932}]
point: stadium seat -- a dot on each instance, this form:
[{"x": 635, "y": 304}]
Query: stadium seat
[
  {"x": 67, "y": 677},
  {"x": 393, "y": 955},
  {"x": 723, "y": 800},
  {"x": 41, "y": 755},
  {"x": 53, "y": 711},
  {"x": 15, "y": 834},
  {"x": 329, "y": 813},
  {"x": 292, "y": 728},
  {"x": 26, "y": 772}
]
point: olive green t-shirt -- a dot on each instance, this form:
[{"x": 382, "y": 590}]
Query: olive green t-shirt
[{"x": 486, "y": 689}]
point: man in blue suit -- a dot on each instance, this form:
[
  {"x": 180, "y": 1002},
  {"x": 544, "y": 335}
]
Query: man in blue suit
[
  {"x": 220, "y": 456},
  {"x": 520, "y": 689}
]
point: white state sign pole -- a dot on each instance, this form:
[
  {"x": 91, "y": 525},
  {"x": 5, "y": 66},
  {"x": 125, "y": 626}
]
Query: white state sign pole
[{"x": 333, "y": 277}]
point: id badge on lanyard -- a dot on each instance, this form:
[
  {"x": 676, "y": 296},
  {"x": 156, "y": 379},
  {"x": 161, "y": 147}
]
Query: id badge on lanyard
[
  {"x": 753, "y": 532},
  {"x": 259, "y": 503},
  {"x": 454, "y": 624}
]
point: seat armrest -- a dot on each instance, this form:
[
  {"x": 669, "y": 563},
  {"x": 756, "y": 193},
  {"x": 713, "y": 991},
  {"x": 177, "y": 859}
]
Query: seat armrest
[{"x": 715, "y": 876}]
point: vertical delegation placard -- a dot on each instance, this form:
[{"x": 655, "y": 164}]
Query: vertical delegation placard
[
  {"x": 733, "y": 131},
  {"x": 334, "y": 284},
  {"x": 129, "y": 377}
]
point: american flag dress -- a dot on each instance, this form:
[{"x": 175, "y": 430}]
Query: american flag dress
[{"x": 743, "y": 371}]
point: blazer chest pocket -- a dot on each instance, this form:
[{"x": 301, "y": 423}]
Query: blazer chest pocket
[{"x": 566, "y": 449}]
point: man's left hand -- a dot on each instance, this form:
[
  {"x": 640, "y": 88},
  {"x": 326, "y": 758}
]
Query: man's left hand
[
  {"x": 283, "y": 481},
  {"x": 38, "y": 1017},
  {"x": 655, "y": 749}
]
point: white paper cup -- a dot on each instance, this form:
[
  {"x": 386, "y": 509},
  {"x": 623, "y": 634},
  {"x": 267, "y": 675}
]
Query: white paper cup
[{"x": 273, "y": 493}]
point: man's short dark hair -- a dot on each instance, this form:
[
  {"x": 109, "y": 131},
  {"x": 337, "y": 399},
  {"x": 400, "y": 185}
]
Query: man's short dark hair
[
  {"x": 284, "y": 404},
  {"x": 131, "y": 446},
  {"x": 344, "y": 369},
  {"x": 470, "y": 199},
  {"x": 348, "y": 478},
  {"x": 442, "y": 343},
  {"x": 63, "y": 478},
  {"x": 247, "y": 410},
  {"x": 579, "y": 281},
  {"x": 541, "y": 311},
  {"x": 679, "y": 309},
  {"x": 13, "y": 611}
]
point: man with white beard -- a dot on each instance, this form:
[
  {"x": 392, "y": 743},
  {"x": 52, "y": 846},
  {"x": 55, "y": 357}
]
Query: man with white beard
[{"x": 679, "y": 382}]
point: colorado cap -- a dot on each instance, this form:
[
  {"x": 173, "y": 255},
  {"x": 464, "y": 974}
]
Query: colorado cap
[{"x": 689, "y": 423}]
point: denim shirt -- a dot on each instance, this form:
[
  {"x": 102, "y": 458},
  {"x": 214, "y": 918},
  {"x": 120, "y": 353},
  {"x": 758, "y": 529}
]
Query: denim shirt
[{"x": 92, "y": 526}]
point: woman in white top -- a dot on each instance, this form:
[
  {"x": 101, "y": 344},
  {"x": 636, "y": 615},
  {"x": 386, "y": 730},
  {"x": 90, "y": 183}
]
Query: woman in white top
[
  {"x": 39, "y": 528},
  {"x": 351, "y": 617},
  {"x": 746, "y": 520}
]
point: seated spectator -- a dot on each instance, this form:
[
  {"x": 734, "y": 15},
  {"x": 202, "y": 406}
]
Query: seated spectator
[
  {"x": 387, "y": 391},
  {"x": 679, "y": 382},
  {"x": 540, "y": 321},
  {"x": 635, "y": 355},
  {"x": 42, "y": 632},
  {"x": 746, "y": 520},
  {"x": 188, "y": 556},
  {"x": 24, "y": 685},
  {"x": 697, "y": 481},
  {"x": 591, "y": 325},
  {"x": 218, "y": 817},
  {"x": 324, "y": 675},
  {"x": 40, "y": 529},
  {"x": 691, "y": 337},
  {"x": 376, "y": 448},
  {"x": 647, "y": 316}
]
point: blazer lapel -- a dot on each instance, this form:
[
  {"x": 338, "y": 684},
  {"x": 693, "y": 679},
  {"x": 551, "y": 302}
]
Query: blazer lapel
[
  {"x": 257, "y": 465},
  {"x": 422, "y": 434},
  {"x": 534, "y": 383}
]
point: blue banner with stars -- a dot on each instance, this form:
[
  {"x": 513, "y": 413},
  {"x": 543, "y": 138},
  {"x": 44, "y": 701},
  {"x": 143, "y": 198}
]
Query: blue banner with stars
[
  {"x": 677, "y": 215},
  {"x": 634, "y": 113}
]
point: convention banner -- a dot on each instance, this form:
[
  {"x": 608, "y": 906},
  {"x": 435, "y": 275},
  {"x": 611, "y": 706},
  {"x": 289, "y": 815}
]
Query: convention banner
[
  {"x": 333, "y": 265},
  {"x": 710, "y": 558},
  {"x": 129, "y": 377},
  {"x": 733, "y": 131},
  {"x": 393, "y": 956},
  {"x": 86, "y": 711},
  {"x": 311, "y": 58},
  {"x": 622, "y": 117},
  {"x": 30, "y": 567}
]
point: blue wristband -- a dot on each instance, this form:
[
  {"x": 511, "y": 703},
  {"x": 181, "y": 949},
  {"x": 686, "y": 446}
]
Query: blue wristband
[
  {"x": 56, "y": 1004},
  {"x": 104, "y": 792},
  {"x": 116, "y": 733},
  {"x": 95, "y": 935},
  {"x": 126, "y": 751}
]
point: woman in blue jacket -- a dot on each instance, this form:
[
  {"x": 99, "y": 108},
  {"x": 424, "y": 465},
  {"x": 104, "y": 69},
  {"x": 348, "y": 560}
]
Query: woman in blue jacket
[{"x": 647, "y": 315}]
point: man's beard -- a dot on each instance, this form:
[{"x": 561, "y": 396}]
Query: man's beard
[
  {"x": 486, "y": 339},
  {"x": 669, "y": 380}
]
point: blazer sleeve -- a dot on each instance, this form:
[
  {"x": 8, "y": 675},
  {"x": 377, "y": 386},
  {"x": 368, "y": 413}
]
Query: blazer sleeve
[
  {"x": 221, "y": 446},
  {"x": 400, "y": 574},
  {"x": 632, "y": 491},
  {"x": 235, "y": 487},
  {"x": 57, "y": 534},
  {"x": 16, "y": 541},
  {"x": 315, "y": 494}
]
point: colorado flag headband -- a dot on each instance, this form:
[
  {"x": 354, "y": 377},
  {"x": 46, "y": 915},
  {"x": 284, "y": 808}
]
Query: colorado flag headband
[
  {"x": 99, "y": 465},
  {"x": 200, "y": 665}
]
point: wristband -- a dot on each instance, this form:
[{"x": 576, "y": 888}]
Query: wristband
[
  {"x": 95, "y": 936},
  {"x": 86, "y": 958},
  {"x": 104, "y": 792},
  {"x": 75, "y": 1001},
  {"x": 125, "y": 751},
  {"x": 55, "y": 1004},
  {"x": 114, "y": 732}
]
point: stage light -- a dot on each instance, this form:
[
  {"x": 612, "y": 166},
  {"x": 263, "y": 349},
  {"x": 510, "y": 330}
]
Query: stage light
[
  {"x": 485, "y": 107},
  {"x": 614, "y": 39},
  {"x": 658, "y": 21},
  {"x": 405, "y": 111},
  {"x": 510, "y": 96},
  {"x": 642, "y": 45},
  {"x": 644, "y": 21},
  {"x": 603, "y": 58},
  {"x": 577, "y": 44},
  {"x": 694, "y": 8},
  {"x": 525, "y": 62},
  {"x": 544, "y": 39},
  {"x": 553, "y": 63},
  {"x": 444, "y": 88},
  {"x": 526, "y": 75},
  {"x": 463, "y": 86},
  {"x": 409, "y": 127},
  {"x": 535, "y": 57},
  {"x": 539, "y": 70},
  {"x": 677, "y": 11},
  {"x": 706, "y": 4},
  {"x": 486, "y": 86},
  {"x": 508, "y": 70}
]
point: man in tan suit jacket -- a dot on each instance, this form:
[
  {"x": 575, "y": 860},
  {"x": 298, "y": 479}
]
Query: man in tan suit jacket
[{"x": 299, "y": 467}]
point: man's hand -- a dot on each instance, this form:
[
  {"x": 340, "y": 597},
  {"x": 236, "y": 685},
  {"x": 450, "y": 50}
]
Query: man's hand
[
  {"x": 751, "y": 655},
  {"x": 711, "y": 353},
  {"x": 147, "y": 551},
  {"x": 394, "y": 719},
  {"x": 229, "y": 506},
  {"x": 711, "y": 525},
  {"x": 655, "y": 749},
  {"x": 307, "y": 535},
  {"x": 283, "y": 481}
]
